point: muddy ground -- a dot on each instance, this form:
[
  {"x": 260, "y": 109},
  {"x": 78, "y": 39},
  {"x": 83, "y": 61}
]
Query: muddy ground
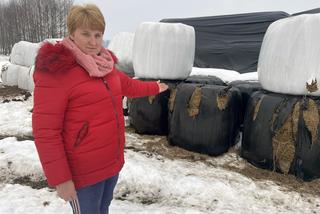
[{"x": 158, "y": 146}]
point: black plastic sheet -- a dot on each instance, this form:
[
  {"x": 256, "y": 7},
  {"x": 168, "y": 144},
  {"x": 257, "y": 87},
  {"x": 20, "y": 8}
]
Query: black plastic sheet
[{"x": 230, "y": 41}]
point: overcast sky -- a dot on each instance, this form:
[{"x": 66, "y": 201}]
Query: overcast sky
[{"x": 126, "y": 15}]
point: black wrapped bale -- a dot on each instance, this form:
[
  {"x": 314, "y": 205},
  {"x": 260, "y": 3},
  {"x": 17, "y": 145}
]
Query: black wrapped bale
[
  {"x": 246, "y": 89},
  {"x": 204, "y": 118},
  {"x": 210, "y": 80},
  {"x": 281, "y": 134},
  {"x": 149, "y": 115}
]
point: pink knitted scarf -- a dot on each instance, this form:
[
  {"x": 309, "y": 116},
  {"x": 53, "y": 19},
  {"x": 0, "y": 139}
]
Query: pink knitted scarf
[{"x": 96, "y": 65}]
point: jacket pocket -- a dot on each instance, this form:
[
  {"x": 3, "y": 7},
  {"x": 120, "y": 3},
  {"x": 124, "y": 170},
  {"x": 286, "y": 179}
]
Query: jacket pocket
[{"x": 82, "y": 133}]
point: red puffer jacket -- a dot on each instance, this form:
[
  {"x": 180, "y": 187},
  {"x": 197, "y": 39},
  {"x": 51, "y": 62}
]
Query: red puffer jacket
[{"x": 77, "y": 120}]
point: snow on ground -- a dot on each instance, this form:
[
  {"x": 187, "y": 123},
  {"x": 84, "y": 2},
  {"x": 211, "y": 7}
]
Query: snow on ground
[
  {"x": 155, "y": 179},
  {"x": 15, "y": 119}
]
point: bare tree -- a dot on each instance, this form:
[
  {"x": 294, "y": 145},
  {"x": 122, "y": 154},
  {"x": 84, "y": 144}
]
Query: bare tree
[{"x": 31, "y": 20}]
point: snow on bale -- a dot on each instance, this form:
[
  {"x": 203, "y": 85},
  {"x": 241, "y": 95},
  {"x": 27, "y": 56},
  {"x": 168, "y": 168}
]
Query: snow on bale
[
  {"x": 163, "y": 51},
  {"x": 281, "y": 133},
  {"x": 204, "y": 118},
  {"x": 289, "y": 58},
  {"x": 149, "y": 115},
  {"x": 121, "y": 45},
  {"x": 225, "y": 75},
  {"x": 24, "y": 53}
]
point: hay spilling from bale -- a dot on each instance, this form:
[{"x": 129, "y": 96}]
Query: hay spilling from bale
[
  {"x": 173, "y": 94},
  {"x": 256, "y": 109},
  {"x": 194, "y": 102},
  {"x": 283, "y": 142},
  {"x": 311, "y": 119},
  {"x": 223, "y": 99},
  {"x": 151, "y": 99}
]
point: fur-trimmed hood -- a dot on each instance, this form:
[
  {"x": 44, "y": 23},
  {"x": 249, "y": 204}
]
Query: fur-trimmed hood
[
  {"x": 52, "y": 58},
  {"x": 56, "y": 57}
]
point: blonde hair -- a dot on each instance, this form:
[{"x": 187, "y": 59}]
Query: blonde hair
[{"x": 88, "y": 16}]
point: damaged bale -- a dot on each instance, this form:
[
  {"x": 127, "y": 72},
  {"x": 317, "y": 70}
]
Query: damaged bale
[
  {"x": 205, "y": 118},
  {"x": 149, "y": 115},
  {"x": 281, "y": 134}
]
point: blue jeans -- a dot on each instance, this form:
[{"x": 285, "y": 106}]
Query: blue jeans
[{"x": 95, "y": 199}]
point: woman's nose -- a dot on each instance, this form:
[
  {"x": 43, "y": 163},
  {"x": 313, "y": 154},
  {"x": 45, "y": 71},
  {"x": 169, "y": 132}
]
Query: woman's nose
[{"x": 92, "y": 41}]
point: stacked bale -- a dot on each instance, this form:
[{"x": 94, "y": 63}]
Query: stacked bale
[
  {"x": 121, "y": 45},
  {"x": 281, "y": 128},
  {"x": 205, "y": 118},
  {"x": 19, "y": 71},
  {"x": 160, "y": 51}
]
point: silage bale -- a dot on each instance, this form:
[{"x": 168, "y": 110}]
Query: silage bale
[
  {"x": 25, "y": 78},
  {"x": 281, "y": 134},
  {"x": 24, "y": 53},
  {"x": 10, "y": 75},
  {"x": 163, "y": 51},
  {"x": 211, "y": 80},
  {"x": 246, "y": 88},
  {"x": 289, "y": 57},
  {"x": 149, "y": 115},
  {"x": 205, "y": 118},
  {"x": 121, "y": 45}
]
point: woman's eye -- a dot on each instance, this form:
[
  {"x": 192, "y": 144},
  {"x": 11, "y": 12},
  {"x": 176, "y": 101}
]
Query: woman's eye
[
  {"x": 85, "y": 34},
  {"x": 98, "y": 36}
]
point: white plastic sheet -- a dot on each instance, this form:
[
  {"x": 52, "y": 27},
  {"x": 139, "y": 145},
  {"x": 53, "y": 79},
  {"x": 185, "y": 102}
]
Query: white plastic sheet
[
  {"x": 163, "y": 50},
  {"x": 290, "y": 55},
  {"x": 121, "y": 45},
  {"x": 24, "y": 53}
]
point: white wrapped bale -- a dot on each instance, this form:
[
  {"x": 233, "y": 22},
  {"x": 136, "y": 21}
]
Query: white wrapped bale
[
  {"x": 121, "y": 45},
  {"x": 10, "y": 75},
  {"x": 289, "y": 56},
  {"x": 163, "y": 50},
  {"x": 24, "y": 53},
  {"x": 25, "y": 78}
]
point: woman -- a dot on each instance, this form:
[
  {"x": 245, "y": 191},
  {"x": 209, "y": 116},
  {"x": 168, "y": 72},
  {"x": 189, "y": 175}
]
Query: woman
[{"x": 77, "y": 119}]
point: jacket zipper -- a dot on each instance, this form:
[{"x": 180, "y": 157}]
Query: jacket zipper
[{"x": 116, "y": 113}]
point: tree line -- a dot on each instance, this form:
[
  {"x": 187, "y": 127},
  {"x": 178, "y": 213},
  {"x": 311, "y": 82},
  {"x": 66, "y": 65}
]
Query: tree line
[{"x": 31, "y": 20}]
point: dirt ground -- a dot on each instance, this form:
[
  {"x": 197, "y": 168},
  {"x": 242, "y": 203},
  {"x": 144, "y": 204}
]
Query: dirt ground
[
  {"x": 156, "y": 147},
  {"x": 235, "y": 163}
]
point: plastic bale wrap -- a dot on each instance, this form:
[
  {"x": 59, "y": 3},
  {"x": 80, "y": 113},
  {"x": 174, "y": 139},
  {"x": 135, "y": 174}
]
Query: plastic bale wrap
[
  {"x": 25, "y": 78},
  {"x": 163, "y": 51},
  {"x": 121, "y": 45},
  {"x": 11, "y": 74},
  {"x": 149, "y": 115},
  {"x": 247, "y": 88},
  {"x": 24, "y": 53},
  {"x": 289, "y": 58},
  {"x": 281, "y": 133},
  {"x": 210, "y": 80},
  {"x": 205, "y": 118}
]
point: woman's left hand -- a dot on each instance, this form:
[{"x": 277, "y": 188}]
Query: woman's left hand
[{"x": 162, "y": 86}]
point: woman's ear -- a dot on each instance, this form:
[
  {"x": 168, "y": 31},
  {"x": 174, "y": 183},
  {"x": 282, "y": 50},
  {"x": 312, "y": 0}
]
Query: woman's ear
[{"x": 71, "y": 37}]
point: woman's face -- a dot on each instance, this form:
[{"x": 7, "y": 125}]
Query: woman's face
[{"x": 88, "y": 41}]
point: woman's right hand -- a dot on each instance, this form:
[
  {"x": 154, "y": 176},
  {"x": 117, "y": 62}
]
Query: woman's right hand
[{"x": 67, "y": 191}]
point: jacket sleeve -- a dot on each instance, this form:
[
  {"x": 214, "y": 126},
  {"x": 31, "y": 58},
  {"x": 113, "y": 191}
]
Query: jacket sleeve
[
  {"x": 50, "y": 101},
  {"x": 137, "y": 88}
]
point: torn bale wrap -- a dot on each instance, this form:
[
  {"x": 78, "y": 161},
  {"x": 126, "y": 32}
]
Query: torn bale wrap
[
  {"x": 149, "y": 115},
  {"x": 199, "y": 123},
  {"x": 281, "y": 134}
]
